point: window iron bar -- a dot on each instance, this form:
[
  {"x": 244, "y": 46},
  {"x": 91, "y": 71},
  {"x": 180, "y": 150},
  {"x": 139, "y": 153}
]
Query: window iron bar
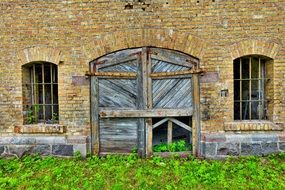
[
  {"x": 51, "y": 90},
  {"x": 43, "y": 86},
  {"x": 39, "y": 83},
  {"x": 247, "y": 79},
  {"x": 250, "y": 61},
  {"x": 42, "y": 104},
  {"x": 249, "y": 101},
  {"x": 240, "y": 89}
]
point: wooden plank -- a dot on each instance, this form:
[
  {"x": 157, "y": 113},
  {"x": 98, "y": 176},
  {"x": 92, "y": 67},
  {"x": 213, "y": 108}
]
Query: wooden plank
[
  {"x": 196, "y": 126},
  {"x": 173, "y": 77},
  {"x": 118, "y": 135},
  {"x": 118, "y": 93},
  {"x": 141, "y": 101},
  {"x": 116, "y": 58},
  {"x": 176, "y": 73},
  {"x": 169, "y": 132},
  {"x": 148, "y": 104},
  {"x": 149, "y": 137},
  {"x": 149, "y": 82},
  {"x": 172, "y": 93},
  {"x": 160, "y": 123},
  {"x": 162, "y": 66},
  {"x": 179, "y": 123},
  {"x": 130, "y": 66},
  {"x": 94, "y": 115},
  {"x": 106, "y": 113},
  {"x": 115, "y": 62},
  {"x": 173, "y": 57},
  {"x": 183, "y": 63},
  {"x": 113, "y": 74}
]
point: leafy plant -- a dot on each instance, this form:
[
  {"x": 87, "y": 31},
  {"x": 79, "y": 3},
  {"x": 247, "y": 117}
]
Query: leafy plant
[
  {"x": 32, "y": 114},
  {"x": 177, "y": 146},
  {"x": 181, "y": 145},
  {"x": 54, "y": 118},
  {"x": 77, "y": 155},
  {"x": 162, "y": 147}
]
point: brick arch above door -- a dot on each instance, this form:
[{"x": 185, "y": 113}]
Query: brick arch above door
[{"x": 162, "y": 38}]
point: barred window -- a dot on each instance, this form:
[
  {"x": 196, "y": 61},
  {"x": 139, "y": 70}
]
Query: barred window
[
  {"x": 249, "y": 88},
  {"x": 40, "y": 93}
]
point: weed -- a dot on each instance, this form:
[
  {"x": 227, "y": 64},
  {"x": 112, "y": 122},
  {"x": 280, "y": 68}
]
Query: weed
[
  {"x": 132, "y": 172},
  {"x": 177, "y": 146}
]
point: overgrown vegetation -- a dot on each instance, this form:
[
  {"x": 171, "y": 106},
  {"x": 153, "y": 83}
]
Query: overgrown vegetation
[
  {"x": 131, "y": 172},
  {"x": 32, "y": 112},
  {"x": 177, "y": 146}
]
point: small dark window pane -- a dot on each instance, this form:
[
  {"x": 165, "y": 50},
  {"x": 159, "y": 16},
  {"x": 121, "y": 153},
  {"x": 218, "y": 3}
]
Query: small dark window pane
[
  {"x": 236, "y": 90},
  {"x": 254, "y": 68},
  {"x": 54, "y": 74},
  {"x": 39, "y": 112},
  {"x": 236, "y": 110},
  {"x": 245, "y": 68},
  {"x": 38, "y": 94},
  {"x": 262, "y": 110},
  {"x": 38, "y": 73},
  {"x": 55, "y": 110},
  {"x": 245, "y": 110},
  {"x": 48, "y": 112},
  {"x": 47, "y": 73},
  {"x": 48, "y": 95},
  {"x": 31, "y": 75},
  {"x": 55, "y": 93},
  {"x": 254, "y": 110},
  {"x": 245, "y": 90},
  {"x": 237, "y": 69},
  {"x": 254, "y": 90},
  {"x": 27, "y": 94}
]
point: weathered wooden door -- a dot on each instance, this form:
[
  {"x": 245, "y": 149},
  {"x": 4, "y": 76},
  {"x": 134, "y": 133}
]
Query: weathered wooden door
[{"x": 129, "y": 88}]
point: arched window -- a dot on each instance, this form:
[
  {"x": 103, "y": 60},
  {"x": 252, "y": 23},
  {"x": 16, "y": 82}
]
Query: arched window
[
  {"x": 40, "y": 93},
  {"x": 251, "y": 76}
]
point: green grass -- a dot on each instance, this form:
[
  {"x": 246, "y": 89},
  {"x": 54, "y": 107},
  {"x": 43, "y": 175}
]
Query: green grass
[{"x": 131, "y": 172}]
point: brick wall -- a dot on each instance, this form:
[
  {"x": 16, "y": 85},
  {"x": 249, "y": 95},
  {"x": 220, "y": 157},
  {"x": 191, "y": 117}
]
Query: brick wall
[{"x": 72, "y": 33}]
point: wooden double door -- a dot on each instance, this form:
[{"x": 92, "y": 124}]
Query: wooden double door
[{"x": 131, "y": 87}]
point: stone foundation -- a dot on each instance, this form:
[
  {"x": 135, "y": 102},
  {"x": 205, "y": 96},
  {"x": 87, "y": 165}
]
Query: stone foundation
[
  {"x": 43, "y": 145},
  {"x": 222, "y": 145}
]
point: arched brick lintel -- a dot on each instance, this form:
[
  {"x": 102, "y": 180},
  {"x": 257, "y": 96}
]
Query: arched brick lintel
[
  {"x": 163, "y": 38},
  {"x": 39, "y": 53},
  {"x": 250, "y": 47}
]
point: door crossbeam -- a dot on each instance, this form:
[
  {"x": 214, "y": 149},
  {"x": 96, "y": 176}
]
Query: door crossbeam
[{"x": 145, "y": 113}]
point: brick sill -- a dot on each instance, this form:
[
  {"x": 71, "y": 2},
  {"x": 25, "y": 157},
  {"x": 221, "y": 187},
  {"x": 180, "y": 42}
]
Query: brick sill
[
  {"x": 40, "y": 128},
  {"x": 253, "y": 126}
]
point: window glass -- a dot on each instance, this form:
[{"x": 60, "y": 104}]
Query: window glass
[
  {"x": 245, "y": 68},
  {"x": 245, "y": 90},
  {"x": 254, "y": 68},
  {"x": 38, "y": 73},
  {"x": 236, "y": 69},
  {"x": 47, "y": 73}
]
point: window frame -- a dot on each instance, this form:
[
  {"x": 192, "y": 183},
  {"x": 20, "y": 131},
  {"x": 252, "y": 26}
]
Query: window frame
[
  {"x": 261, "y": 88},
  {"x": 32, "y": 108}
]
